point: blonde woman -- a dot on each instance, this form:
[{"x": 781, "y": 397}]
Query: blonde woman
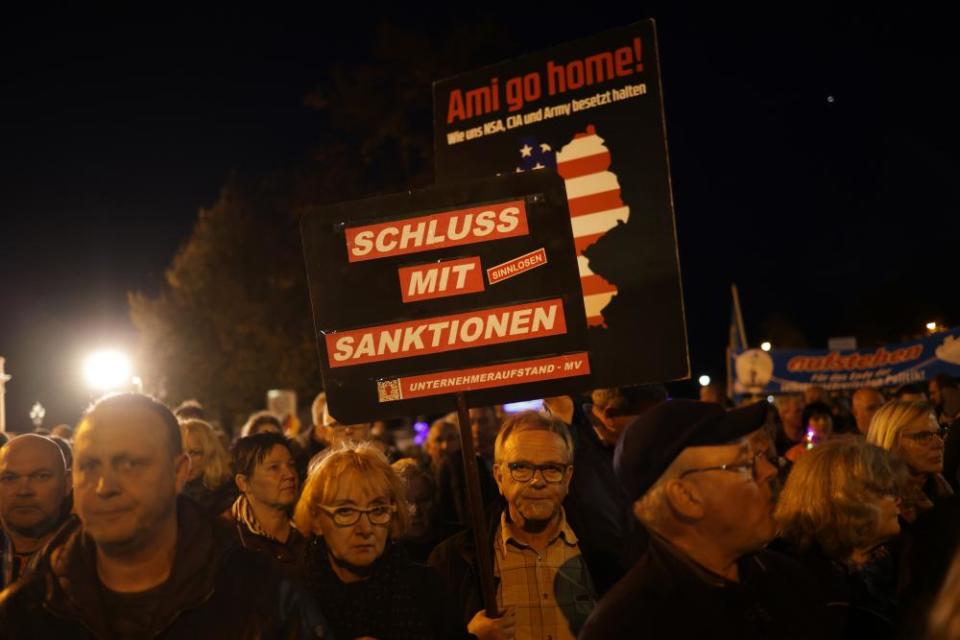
[
  {"x": 353, "y": 504},
  {"x": 210, "y": 482},
  {"x": 910, "y": 431},
  {"x": 837, "y": 509}
]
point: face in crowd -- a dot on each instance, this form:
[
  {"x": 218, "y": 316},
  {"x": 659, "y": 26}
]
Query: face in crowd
[
  {"x": 126, "y": 475},
  {"x": 33, "y": 485},
  {"x": 791, "y": 415},
  {"x": 273, "y": 482},
  {"x": 820, "y": 426},
  {"x": 729, "y": 492},
  {"x": 337, "y": 434},
  {"x": 422, "y": 503},
  {"x": 866, "y": 402},
  {"x": 354, "y": 500},
  {"x": 921, "y": 445},
  {"x": 196, "y": 451},
  {"x": 484, "y": 426},
  {"x": 533, "y": 470},
  {"x": 443, "y": 441}
]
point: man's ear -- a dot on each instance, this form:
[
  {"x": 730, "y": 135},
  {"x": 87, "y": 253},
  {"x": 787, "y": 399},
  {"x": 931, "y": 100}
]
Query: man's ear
[
  {"x": 181, "y": 470},
  {"x": 685, "y": 500},
  {"x": 498, "y": 476}
]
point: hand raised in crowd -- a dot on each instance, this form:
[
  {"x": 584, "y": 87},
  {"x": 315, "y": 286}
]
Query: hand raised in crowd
[{"x": 486, "y": 628}]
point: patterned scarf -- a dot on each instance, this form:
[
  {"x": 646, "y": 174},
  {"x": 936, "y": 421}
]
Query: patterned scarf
[{"x": 242, "y": 510}]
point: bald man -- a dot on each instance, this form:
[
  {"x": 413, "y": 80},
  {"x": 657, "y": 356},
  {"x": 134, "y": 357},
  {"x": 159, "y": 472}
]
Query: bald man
[
  {"x": 143, "y": 561},
  {"x": 33, "y": 489},
  {"x": 866, "y": 401}
]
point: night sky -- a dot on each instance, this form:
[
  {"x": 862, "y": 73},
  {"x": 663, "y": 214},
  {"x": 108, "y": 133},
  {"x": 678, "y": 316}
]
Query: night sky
[{"x": 814, "y": 161}]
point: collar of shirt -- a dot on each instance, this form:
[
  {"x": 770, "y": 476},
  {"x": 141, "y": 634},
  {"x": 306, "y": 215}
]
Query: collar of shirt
[
  {"x": 508, "y": 533},
  {"x": 697, "y": 570}
]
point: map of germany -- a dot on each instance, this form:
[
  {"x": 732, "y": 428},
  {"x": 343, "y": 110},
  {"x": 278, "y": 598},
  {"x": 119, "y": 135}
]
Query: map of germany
[{"x": 593, "y": 195}]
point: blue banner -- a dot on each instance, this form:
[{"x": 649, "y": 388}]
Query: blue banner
[{"x": 788, "y": 371}]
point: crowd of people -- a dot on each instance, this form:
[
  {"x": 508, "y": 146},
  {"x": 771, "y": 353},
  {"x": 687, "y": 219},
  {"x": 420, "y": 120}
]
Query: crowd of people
[{"x": 620, "y": 514}]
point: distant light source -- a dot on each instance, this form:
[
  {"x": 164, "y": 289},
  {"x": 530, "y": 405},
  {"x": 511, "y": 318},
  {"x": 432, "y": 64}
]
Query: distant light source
[
  {"x": 704, "y": 381},
  {"x": 770, "y": 399},
  {"x": 931, "y": 326},
  {"x": 766, "y": 346},
  {"x": 106, "y": 370},
  {"x": 523, "y": 405}
]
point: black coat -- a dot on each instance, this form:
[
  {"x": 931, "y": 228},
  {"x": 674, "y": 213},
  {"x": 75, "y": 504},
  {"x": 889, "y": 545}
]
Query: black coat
[
  {"x": 288, "y": 556},
  {"x": 611, "y": 540},
  {"x": 400, "y": 600},
  {"x": 667, "y": 595},
  {"x": 215, "y": 590}
]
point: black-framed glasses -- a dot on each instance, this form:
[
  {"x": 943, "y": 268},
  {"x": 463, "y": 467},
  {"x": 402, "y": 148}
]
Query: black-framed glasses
[
  {"x": 524, "y": 471},
  {"x": 924, "y": 437},
  {"x": 752, "y": 465},
  {"x": 348, "y": 516}
]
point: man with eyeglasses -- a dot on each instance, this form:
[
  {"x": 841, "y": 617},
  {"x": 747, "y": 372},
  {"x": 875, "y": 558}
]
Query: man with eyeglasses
[
  {"x": 702, "y": 485},
  {"x": 543, "y": 582}
]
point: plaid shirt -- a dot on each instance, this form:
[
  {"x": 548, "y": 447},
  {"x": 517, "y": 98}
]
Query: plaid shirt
[{"x": 552, "y": 592}]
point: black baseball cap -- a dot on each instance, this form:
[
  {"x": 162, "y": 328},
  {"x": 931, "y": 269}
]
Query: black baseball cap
[{"x": 654, "y": 440}]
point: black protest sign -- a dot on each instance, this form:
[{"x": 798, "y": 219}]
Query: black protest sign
[
  {"x": 591, "y": 109},
  {"x": 471, "y": 288}
]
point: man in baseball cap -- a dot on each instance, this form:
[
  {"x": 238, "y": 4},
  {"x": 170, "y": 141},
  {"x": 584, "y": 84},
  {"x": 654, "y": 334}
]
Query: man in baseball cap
[{"x": 700, "y": 481}]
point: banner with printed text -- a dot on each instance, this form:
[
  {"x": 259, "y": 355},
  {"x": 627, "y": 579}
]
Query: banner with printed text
[
  {"x": 592, "y": 111},
  {"x": 787, "y": 371},
  {"x": 422, "y": 295}
]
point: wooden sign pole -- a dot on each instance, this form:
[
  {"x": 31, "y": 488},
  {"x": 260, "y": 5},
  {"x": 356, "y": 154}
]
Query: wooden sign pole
[{"x": 475, "y": 507}]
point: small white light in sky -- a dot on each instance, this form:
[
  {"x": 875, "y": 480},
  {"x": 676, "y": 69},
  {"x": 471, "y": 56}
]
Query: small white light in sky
[
  {"x": 766, "y": 346},
  {"x": 704, "y": 381},
  {"x": 830, "y": 99},
  {"x": 106, "y": 370}
]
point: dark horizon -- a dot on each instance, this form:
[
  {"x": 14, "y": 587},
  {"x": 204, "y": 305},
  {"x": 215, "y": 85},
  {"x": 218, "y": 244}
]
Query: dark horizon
[{"x": 812, "y": 157}]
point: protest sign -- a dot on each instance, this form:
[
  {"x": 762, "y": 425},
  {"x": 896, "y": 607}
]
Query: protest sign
[
  {"x": 793, "y": 370},
  {"x": 420, "y": 296},
  {"x": 592, "y": 111}
]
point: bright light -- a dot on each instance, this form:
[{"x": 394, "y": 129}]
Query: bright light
[
  {"x": 766, "y": 346},
  {"x": 106, "y": 370},
  {"x": 771, "y": 399},
  {"x": 704, "y": 381},
  {"x": 931, "y": 326}
]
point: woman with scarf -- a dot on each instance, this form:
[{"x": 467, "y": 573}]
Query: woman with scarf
[{"x": 267, "y": 480}]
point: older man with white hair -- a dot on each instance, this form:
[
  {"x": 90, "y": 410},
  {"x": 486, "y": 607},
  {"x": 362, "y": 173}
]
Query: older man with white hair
[{"x": 701, "y": 483}]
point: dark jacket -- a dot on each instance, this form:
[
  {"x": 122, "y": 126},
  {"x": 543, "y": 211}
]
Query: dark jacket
[
  {"x": 215, "y": 590},
  {"x": 214, "y": 501},
  {"x": 455, "y": 560},
  {"x": 667, "y": 595},
  {"x": 399, "y": 600},
  {"x": 288, "y": 556},
  {"x": 860, "y": 601},
  {"x": 611, "y": 539},
  {"x": 452, "y": 508}
]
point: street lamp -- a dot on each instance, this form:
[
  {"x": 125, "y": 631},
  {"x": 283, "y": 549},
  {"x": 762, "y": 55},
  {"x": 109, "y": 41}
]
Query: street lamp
[
  {"x": 107, "y": 370},
  {"x": 704, "y": 381},
  {"x": 766, "y": 346},
  {"x": 932, "y": 327}
]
